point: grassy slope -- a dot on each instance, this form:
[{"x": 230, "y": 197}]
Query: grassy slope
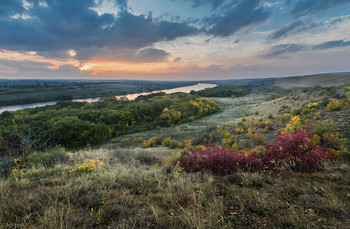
[
  {"x": 137, "y": 189},
  {"x": 131, "y": 192}
]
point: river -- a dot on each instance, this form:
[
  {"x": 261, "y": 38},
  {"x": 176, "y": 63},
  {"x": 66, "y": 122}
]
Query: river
[{"x": 187, "y": 89}]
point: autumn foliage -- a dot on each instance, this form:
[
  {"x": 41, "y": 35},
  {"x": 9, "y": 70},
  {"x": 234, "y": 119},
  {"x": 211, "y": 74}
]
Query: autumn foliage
[
  {"x": 295, "y": 153},
  {"x": 218, "y": 160}
]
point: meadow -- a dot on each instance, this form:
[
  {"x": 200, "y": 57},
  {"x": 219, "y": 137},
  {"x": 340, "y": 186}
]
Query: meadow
[{"x": 164, "y": 176}]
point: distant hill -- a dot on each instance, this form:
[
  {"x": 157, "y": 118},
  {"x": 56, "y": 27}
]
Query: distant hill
[
  {"x": 239, "y": 82},
  {"x": 308, "y": 81}
]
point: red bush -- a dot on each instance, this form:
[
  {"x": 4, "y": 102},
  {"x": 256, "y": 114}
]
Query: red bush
[
  {"x": 219, "y": 160},
  {"x": 296, "y": 153}
]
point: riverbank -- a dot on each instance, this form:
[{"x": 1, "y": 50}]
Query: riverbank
[
  {"x": 19, "y": 92},
  {"x": 187, "y": 89}
]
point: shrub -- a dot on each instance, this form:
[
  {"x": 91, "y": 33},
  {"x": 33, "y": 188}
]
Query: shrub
[
  {"x": 227, "y": 139},
  {"x": 284, "y": 117},
  {"x": 324, "y": 126},
  {"x": 267, "y": 126},
  {"x": 310, "y": 107},
  {"x": 219, "y": 160},
  {"x": 140, "y": 140},
  {"x": 168, "y": 142},
  {"x": 297, "y": 153},
  {"x": 330, "y": 140},
  {"x": 317, "y": 116},
  {"x": 251, "y": 132},
  {"x": 88, "y": 165},
  {"x": 295, "y": 123},
  {"x": 344, "y": 148},
  {"x": 239, "y": 130},
  {"x": 156, "y": 140},
  {"x": 259, "y": 139},
  {"x": 334, "y": 105}
]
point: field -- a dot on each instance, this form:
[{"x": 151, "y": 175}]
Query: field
[{"x": 135, "y": 181}]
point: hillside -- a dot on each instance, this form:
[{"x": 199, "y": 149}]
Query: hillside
[
  {"x": 309, "y": 81},
  {"x": 204, "y": 169}
]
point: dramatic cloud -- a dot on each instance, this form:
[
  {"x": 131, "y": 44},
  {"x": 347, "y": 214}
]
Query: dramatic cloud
[
  {"x": 279, "y": 50},
  {"x": 237, "y": 16},
  {"x": 174, "y": 39},
  {"x": 305, "y": 7},
  {"x": 65, "y": 24},
  {"x": 291, "y": 28},
  {"x": 332, "y": 44}
]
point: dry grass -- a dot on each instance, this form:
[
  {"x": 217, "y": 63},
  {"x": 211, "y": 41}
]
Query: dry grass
[{"x": 129, "y": 193}]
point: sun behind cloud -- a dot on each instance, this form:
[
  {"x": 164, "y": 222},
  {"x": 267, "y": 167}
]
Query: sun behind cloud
[
  {"x": 86, "y": 67},
  {"x": 72, "y": 53}
]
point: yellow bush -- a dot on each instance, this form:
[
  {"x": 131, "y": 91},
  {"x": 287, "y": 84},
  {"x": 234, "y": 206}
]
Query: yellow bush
[
  {"x": 188, "y": 144},
  {"x": 239, "y": 130},
  {"x": 168, "y": 142},
  {"x": 334, "y": 105},
  {"x": 316, "y": 140},
  {"x": 227, "y": 140},
  {"x": 219, "y": 129},
  {"x": 295, "y": 123},
  {"x": 251, "y": 132},
  {"x": 172, "y": 157},
  {"x": 266, "y": 130},
  {"x": 19, "y": 167},
  {"x": 88, "y": 165},
  {"x": 140, "y": 140}
]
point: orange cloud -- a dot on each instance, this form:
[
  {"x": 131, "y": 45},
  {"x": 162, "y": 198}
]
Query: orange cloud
[{"x": 97, "y": 67}]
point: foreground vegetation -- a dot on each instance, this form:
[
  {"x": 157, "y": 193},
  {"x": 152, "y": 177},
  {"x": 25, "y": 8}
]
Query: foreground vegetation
[
  {"x": 270, "y": 167},
  {"x": 136, "y": 188}
]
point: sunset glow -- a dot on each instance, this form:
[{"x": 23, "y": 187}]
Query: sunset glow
[
  {"x": 72, "y": 53},
  {"x": 164, "y": 39}
]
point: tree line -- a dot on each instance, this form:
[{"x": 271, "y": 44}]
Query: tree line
[{"x": 75, "y": 125}]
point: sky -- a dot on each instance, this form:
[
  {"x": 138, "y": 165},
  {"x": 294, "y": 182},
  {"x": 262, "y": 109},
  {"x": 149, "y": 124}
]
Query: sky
[{"x": 172, "y": 39}]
